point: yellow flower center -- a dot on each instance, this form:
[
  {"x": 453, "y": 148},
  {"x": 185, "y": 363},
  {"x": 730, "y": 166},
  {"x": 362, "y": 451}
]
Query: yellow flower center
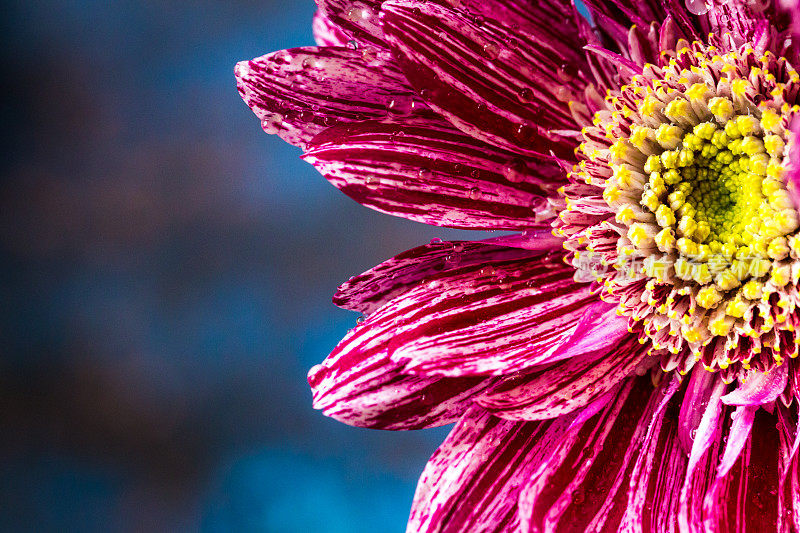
[{"x": 691, "y": 159}]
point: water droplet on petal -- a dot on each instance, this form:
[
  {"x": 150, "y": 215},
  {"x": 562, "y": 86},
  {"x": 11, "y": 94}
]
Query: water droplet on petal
[
  {"x": 487, "y": 271},
  {"x": 525, "y": 95},
  {"x": 474, "y": 193},
  {"x": 310, "y": 62},
  {"x": 272, "y": 123},
  {"x": 372, "y": 182},
  {"x": 566, "y": 73},
  {"x": 436, "y": 240},
  {"x": 306, "y": 116},
  {"x": 400, "y": 105},
  {"x": 491, "y": 50},
  {"x": 697, "y": 7},
  {"x": 515, "y": 171}
]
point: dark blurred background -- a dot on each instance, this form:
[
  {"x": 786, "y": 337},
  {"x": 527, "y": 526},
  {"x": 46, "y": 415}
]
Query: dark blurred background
[{"x": 166, "y": 278}]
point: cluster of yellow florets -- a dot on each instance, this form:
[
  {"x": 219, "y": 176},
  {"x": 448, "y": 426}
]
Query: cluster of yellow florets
[{"x": 698, "y": 169}]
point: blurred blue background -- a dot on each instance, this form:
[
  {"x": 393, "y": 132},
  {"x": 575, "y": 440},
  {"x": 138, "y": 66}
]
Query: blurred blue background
[{"x": 166, "y": 278}]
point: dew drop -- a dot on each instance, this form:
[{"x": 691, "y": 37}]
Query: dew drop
[
  {"x": 306, "y": 116},
  {"x": 565, "y": 73},
  {"x": 372, "y": 182},
  {"x": 515, "y": 170},
  {"x": 452, "y": 260},
  {"x": 697, "y": 7},
  {"x": 487, "y": 271},
  {"x": 525, "y": 95},
  {"x": 369, "y": 54},
  {"x": 400, "y": 105},
  {"x": 436, "y": 240},
  {"x": 475, "y": 193},
  {"x": 352, "y": 44},
  {"x": 424, "y": 174},
  {"x": 491, "y": 50},
  {"x": 310, "y": 62},
  {"x": 272, "y": 123}
]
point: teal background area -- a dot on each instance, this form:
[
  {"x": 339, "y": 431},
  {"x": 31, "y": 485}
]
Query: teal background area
[{"x": 166, "y": 270}]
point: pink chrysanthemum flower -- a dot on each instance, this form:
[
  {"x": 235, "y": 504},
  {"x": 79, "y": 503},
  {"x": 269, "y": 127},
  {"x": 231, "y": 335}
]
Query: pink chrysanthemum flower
[{"x": 625, "y": 360}]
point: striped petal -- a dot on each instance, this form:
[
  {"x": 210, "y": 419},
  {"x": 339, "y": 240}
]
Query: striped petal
[
  {"x": 704, "y": 439},
  {"x": 759, "y": 387},
  {"x": 590, "y": 479},
  {"x": 497, "y": 84},
  {"x": 558, "y": 389},
  {"x": 356, "y": 20},
  {"x": 377, "y": 286},
  {"x": 300, "y": 92},
  {"x": 748, "y": 496},
  {"x": 366, "y": 389},
  {"x": 326, "y": 33},
  {"x": 495, "y": 319},
  {"x": 423, "y": 169},
  {"x": 473, "y": 481}
]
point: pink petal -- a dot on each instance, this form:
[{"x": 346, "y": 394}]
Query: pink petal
[
  {"x": 554, "y": 390},
  {"x": 326, "y": 33},
  {"x": 738, "y": 436},
  {"x": 748, "y": 499},
  {"x": 628, "y": 12},
  {"x": 746, "y": 21},
  {"x": 367, "y": 389},
  {"x": 498, "y": 319},
  {"x": 493, "y": 318},
  {"x": 370, "y": 290},
  {"x": 789, "y": 481},
  {"x": 584, "y": 482},
  {"x": 697, "y": 395},
  {"x": 652, "y": 500},
  {"x": 424, "y": 169},
  {"x": 357, "y": 20},
  {"x": 708, "y": 433},
  {"x": 759, "y": 387},
  {"x": 505, "y": 95},
  {"x": 598, "y": 328},
  {"x": 298, "y": 93},
  {"x": 472, "y": 482}
]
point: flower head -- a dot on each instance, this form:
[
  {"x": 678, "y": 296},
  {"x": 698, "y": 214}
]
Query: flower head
[{"x": 625, "y": 359}]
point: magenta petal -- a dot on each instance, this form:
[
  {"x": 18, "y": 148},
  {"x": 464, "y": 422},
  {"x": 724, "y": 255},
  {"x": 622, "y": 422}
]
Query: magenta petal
[
  {"x": 698, "y": 392},
  {"x": 505, "y": 95},
  {"x": 789, "y": 481},
  {"x": 300, "y": 92},
  {"x": 760, "y": 387},
  {"x": 472, "y": 482},
  {"x": 584, "y": 483},
  {"x": 326, "y": 33},
  {"x": 738, "y": 436},
  {"x": 370, "y": 290},
  {"x": 749, "y": 494},
  {"x": 554, "y": 390},
  {"x": 708, "y": 433},
  {"x": 424, "y": 169},
  {"x": 600, "y": 327},
  {"x": 495, "y": 319},
  {"x": 365, "y": 388},
  {"x": 356, "y": 20}
]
